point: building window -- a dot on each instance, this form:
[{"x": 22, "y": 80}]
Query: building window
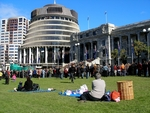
[
  {"x": 94, "y": 32},
  {"x": 103, "y": 42},
  {"x": 62, "y": 18},
  {"x": 87, "y": 34},
  {"x": 80, "y": 36},
  {"x": 20, "y": 19},
  {"x": 54, "y": 9},
  {"x": 3, "y": 21}
]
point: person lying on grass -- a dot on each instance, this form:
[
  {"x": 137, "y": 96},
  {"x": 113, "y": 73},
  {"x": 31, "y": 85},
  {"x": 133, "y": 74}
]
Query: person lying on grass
[{"x": 97, "y": 92}]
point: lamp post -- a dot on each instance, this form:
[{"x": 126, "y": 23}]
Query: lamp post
[
  {"x": 148, "y": 36},
  {"x": 77, "y": 45}
]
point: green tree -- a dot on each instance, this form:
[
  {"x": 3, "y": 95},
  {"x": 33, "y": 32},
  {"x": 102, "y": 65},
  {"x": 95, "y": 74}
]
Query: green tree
[
  {"x": 114, "y": 54},
  {"x": 139, "y": 47},
  {"x": 123, "y": 55}
]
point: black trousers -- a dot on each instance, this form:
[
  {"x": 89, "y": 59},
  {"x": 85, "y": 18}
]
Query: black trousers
[
  {"x": 87, "y": 96},
  {"x": 7, "y": 80}
]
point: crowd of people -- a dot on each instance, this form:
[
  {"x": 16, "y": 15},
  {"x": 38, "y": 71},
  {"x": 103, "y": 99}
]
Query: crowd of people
[{"x": 81, "y": 70}]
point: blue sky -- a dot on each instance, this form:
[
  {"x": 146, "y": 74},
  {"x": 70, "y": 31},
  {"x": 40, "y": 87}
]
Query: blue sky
[{"x": 119, "y": 12}]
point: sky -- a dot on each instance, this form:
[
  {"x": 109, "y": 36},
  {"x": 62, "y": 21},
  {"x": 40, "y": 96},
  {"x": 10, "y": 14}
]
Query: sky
[{"x": 117, "y": 12}]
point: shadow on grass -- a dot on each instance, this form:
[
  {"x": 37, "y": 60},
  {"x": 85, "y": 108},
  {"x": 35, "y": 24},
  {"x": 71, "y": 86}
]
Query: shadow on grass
[
  {"x": 65, "y": 82},
  {"x": 5, "y": 84}
]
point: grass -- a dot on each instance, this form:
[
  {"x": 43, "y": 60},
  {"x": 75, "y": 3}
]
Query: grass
[{"x": 52, "y": 102}]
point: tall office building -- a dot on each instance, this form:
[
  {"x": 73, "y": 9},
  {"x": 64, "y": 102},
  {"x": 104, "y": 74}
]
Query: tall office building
[
  {"x": 47, "y": 42},
  {"x": 13, "y": 31}
]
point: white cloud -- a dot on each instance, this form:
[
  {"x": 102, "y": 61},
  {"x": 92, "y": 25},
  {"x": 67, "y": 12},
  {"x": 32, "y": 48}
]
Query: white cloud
[{"x": 7, "y": 11}]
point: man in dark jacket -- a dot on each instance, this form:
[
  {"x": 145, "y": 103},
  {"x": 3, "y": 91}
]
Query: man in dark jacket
[
  {"x": 72, "y": 72},
  {"x": 28, "y": 85}
]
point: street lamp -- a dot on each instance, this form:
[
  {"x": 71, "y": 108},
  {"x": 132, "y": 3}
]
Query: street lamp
[
  {"x": 148, "y": 36},
  {"x": 77, "y": 44}
]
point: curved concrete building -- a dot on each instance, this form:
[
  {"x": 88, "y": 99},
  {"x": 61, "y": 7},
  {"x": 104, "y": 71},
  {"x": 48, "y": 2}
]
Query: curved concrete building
[{"x": 48, "y": 39}]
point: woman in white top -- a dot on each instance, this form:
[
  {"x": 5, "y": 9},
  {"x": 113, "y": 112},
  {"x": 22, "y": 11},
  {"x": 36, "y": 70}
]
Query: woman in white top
[{"x": 97, "y": 92}]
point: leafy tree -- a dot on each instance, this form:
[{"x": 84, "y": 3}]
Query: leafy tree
[
  {"x": 123, "y": 55},
  {"x": 114, "y": 54},
  {"x": 139, "y": 47}
]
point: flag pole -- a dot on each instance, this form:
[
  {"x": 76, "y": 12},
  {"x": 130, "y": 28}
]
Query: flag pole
[
  {"x": 88, "y": 22},
  {"x": 106, "y": 16}
]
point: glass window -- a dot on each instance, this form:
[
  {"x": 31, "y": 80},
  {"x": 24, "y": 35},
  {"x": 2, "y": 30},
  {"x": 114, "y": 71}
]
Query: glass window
[
  {"x": 20, "y": 19},
  {"x": 3, "y": 21},
  {"x": 103, "y": 42}
]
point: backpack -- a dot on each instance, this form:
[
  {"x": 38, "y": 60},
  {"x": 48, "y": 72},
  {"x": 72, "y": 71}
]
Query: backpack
[
  {"x": 36, "y": 87},
  {"x": 106, "y": 97},
  {"x": 115, "y": 96}
]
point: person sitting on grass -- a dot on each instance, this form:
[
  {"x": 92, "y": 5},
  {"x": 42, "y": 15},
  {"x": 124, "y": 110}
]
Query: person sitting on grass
[
  {"x": 97, "y": 92},
  {"x": 28, "y": 85}
]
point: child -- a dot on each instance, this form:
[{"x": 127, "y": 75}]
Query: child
[
  {"x": 19, "y": 88},
  {"x": 14, "y": 77}
]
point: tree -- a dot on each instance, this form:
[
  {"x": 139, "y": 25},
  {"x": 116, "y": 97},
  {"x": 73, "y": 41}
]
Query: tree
[
  {"x": 123, "y": 55},
  {"x": 139, "y": 47},
  {"x": 114, "y": 54}
]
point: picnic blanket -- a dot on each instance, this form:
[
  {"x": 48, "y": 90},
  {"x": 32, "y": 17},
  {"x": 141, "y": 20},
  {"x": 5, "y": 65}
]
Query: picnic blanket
[
  {"x": 37, "y": 91},
  {"x": 75, "y": 93},
  {"x": 71, "y": 93}
]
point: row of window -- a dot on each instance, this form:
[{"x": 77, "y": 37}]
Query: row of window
[
  {"x": 48, "y": 38},
  {"x": 6, "y": 41},
  {"x": 50, "y": 43},
  {"x": 87, "y": 34},
  {"x": 50, "y": 32},
  {"x": 14, "y": 20},
  {"x": 53, "y": 27},
  {"x": 54, "y": 17},
  {"x": 53, "y": 22}
]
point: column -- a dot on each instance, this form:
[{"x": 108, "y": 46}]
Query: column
[
  {"x": 85, "y": 52},
  {"x": 20, "y": 56},
  {"x": 129, "y": 44},
  {"x": 37, "y": 54},
  {"x": 92, "y": 50},
  {"x": 46, "y": 57},
  {"x": 120, "y": 40},
  {"x": 112, "y": 41},
  {"x": 138, "y": 36},
  {"x": 24, "y": 56},
  {"x": 54, "y": 55},
  {"x": 29, "y": 55},
  {"x": 63, "y": 51},
  {"x": 79, "y": 53},
  {"x": 109, "y": 50}
]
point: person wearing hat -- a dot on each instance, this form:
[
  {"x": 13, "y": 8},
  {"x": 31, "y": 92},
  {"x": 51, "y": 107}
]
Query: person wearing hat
[{"x": 97, "y": 92}]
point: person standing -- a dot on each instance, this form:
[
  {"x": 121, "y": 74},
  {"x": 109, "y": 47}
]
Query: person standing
[
  {"x": 1, "y": 74},
  {"x": 115, "y": 69},
  {"x": 145, "y": 66},
  {"x": 139, "y": 66},
  {"x": 87, "y": 71},
  {"x": 7, "y": 76},
  {"x": 72, "y": 73},
  {"x": 123, "y": 70},
  {"x": 61, "y": 72}
]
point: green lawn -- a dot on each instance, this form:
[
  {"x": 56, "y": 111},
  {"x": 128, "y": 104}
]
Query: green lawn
[{"x": 51, "y": 102}]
